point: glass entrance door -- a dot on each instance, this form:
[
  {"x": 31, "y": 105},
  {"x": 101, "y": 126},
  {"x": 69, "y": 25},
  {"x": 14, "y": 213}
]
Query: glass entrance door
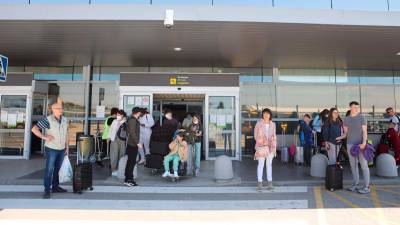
[
  {"x": 13, "y": 117},
  {"x": 222, "y": 126}
]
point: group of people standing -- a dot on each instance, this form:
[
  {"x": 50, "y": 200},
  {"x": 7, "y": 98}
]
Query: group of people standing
[{"x": 331, "y": 131}]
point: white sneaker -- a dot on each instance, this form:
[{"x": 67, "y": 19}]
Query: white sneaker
[
  {"x": 114, "y": 173},
  {"x": 176, "y": 174},
  {"x": 166, "y": 174},
  {"x": 141, "y": 162}
]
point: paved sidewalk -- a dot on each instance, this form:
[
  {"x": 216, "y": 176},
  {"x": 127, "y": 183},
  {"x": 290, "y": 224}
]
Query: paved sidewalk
[{"x": 30, "y": 172}]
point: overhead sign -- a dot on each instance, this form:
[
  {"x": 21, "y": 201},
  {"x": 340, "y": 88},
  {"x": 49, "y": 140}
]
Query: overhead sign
[
  {"x": 179, "y": 80},
  {"x": 3, "y": 68}
]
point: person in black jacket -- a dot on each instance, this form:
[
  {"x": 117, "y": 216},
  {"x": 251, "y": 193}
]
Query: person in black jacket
[
  {"x": 330, "y": 131},
  {"x": 133, "y": 128}
]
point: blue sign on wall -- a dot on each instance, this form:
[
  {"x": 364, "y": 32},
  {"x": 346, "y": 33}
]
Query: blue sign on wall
[{"x": 3, "y": 68}]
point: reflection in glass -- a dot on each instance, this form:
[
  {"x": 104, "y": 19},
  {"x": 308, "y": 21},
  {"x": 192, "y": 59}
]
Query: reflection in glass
[
  {"x": 397, "y": 77},
  {"x": 52, "y": 73},
  {"x": 72, "y": 94},
  {"x": 254, "y": 98},
  {"x": 307, "y": 75},
  {"x": 293, "y": 100},
  {"x": 345, "y": 95},
  {"x": 376, "y": 76},
  {"x": 347, "y": 76},
  {"x": 314, "y": 4},
  {"x": 375, "y": 99},
  {"x": 108, "y": 97},
  {"x": 370, "y": 5},
  {"x": 247, "y": 75},
  {"x": 12, "y": 124},
  {"x": 13, "y": 111},
  {"x": 221, "y": 126}
]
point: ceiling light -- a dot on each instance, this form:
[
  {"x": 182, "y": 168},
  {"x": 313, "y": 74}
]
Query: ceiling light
[
  {"x": 177, "y": 49},
  {"x": 398, "y": 53}
]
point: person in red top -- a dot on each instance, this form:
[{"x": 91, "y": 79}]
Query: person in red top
[{"x": 395, "y": 141}]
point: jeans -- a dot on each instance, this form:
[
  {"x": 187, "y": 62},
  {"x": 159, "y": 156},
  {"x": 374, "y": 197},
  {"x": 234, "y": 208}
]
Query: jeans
[
  {"x": 175, "y": 159},
  {"x": 54, "y": 159},
  {"x": 196, "y": 156},
  {"x": 354, "y": 167},
  {"x": 331, "y": 153},
  {"x": 132, "y": 152}
]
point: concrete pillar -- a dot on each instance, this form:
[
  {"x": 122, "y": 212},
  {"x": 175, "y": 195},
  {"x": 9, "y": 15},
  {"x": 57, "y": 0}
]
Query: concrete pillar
[{"x": 223, "y": 168}]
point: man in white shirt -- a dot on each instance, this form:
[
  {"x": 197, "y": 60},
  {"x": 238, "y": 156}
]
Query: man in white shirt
[{"x": 393, "y": 118}]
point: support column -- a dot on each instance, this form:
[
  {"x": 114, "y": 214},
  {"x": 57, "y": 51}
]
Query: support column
[{"x": 87, "y": 75}]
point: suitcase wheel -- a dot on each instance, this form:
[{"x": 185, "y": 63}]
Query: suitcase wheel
[{"x": 91, "y": 188}]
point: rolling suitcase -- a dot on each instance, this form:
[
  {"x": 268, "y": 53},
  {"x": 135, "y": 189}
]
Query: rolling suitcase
[
  {"x": 334, "y": 176},
  {"x": 159, "y": 148},
  {"x": 299, "y": 156},
  {"x": 83, "y": 175},
  {"x": 154, "y": 161},
  {"x": 284, "y": 149}
]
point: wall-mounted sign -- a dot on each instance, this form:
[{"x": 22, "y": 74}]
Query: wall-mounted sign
[
  {"x": 3, "y": 68},
  {"x": 179, "y": 80}
]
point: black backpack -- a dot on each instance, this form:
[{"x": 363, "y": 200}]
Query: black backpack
[{"x": 122, "y": 133}]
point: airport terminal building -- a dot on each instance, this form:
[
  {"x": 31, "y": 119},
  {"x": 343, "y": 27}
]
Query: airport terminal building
[{"x": 223, "y": 59}]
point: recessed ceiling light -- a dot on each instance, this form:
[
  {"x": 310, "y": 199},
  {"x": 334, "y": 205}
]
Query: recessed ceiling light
[
  {"x": 398, "y": 53},
  {"x": 177, "y": 49}
]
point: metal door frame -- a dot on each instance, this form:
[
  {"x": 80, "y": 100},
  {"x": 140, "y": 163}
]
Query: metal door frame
[{"x": 206, "y": 91}]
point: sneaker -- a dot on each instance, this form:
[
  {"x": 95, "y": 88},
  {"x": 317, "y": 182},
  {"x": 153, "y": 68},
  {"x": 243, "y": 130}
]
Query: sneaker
[
  {"x": 129, "y": 184},
  {"x": 259, "y": 186},
  {"x": 141, "y": 162},
  {"x": 197, "y": 173},
  {"x": 270, "y": 187},
  {"x": 114, "y": 173},
  {"x": 176, "y": 175},
  {"x": 364, "y": 190},
  {"x": 58, "y": 189},
  {"x": 46, "y": 195},
  {"x": 353, "y": 188},
  {"x": 166, "y": 174}
]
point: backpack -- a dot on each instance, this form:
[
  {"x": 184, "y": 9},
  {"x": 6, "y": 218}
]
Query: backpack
[{"x": 122, "y": 133}]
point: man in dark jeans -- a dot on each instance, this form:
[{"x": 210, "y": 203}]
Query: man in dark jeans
[
  {"x": 55, "y": 135},
  {"x": 133, "y": 129}
]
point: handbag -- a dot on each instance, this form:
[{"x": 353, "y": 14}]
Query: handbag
[{"x": 261, "y": 151}]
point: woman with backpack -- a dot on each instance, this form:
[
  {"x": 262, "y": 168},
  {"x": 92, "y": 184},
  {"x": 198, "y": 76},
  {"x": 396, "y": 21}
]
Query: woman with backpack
[
  {"x": 265, "y": 137},
  {"x": 332, "y": 129},
  {"x": 117, "y": 136}
]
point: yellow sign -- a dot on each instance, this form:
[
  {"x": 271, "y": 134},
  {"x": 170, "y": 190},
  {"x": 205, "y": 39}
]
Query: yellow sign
[
  {"x": 179, "y": 80},
  {"x": 172, "y": 81}
]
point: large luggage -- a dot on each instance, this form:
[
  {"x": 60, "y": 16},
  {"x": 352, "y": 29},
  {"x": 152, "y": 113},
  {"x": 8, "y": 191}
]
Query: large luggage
[
  {"x": 334, "y": 176},
  {"x": 284, "y": 154},
  {"x": 284, "y": 148},
  {"x": 82, "y": 178},
  {"x": 154, "y": 161},
  {"x": 299, "y": 156},
  {"x": 159, "y": 148},
  {"x": 83, "y": 174}
]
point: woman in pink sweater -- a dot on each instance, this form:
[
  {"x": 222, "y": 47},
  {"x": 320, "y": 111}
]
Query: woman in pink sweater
[{"x": 265, "y": 136}]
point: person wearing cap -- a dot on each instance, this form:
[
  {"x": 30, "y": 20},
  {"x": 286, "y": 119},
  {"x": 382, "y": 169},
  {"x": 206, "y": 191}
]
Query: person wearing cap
[
  {"x": 55, "y": 135},
  {"x": 178, "y": 152},
  {"x": 146, "y": 123},
  {"x": 133, "y": 129}
]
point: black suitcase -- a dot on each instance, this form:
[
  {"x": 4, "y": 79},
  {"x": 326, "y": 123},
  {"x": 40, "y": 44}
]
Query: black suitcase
[
  {"x": 82, "y": 177},
  {"x": 182, "y": 168},
  {"x": 154, "y": 161},
  {"x": 159, "y": 148},
  {"x": 334, "y": 176}
]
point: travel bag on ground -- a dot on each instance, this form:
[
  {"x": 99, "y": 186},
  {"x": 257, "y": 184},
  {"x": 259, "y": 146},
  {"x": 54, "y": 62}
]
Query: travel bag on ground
[
  {"x": 334, "y": 176},
  {"x": 154, "y": 161},
  {"x": 159, "y": 148}
]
